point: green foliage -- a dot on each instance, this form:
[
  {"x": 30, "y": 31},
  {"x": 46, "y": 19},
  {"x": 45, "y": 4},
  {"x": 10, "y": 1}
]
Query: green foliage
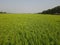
[
  {"x": 55, "y": 10},
  {"x": 2, "y": 12},
  {"x": 29, "y": 29}
]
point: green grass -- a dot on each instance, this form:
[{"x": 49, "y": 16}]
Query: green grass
[{"x": 29, "y": 29}]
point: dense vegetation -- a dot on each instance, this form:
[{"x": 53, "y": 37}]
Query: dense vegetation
[
  {"x": 55, "y": 10},
  {"x": 2, "y": 12},
  {"x": 29, "y": 29}
]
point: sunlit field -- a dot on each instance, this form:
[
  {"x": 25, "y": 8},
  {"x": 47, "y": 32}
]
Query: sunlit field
[{"x": 29, "y": 29}]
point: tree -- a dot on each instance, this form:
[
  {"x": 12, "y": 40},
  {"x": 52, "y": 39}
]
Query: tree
[
  {"x": 55, "y": 10},
  {"x": 2, "y": 12}
]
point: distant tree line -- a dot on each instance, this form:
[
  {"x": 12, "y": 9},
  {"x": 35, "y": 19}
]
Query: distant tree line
[
  {"x": 3, "y": 12},
  {"x": 55, "y": 10}
]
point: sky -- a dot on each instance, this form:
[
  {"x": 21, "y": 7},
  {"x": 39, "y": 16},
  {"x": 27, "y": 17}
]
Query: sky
[{"x": 27, "y": 6}]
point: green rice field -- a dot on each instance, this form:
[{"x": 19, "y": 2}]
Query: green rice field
[{"x": 29, "y": 29}]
